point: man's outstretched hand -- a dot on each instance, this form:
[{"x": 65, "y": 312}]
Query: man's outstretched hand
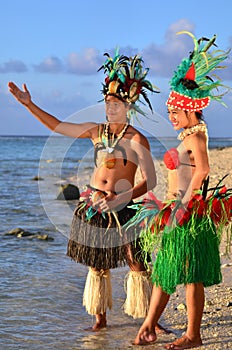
[{"x": 23, "y": 96}]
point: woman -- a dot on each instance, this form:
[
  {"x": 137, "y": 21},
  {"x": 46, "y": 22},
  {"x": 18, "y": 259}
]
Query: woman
[
  {"x": 97, "y": 237},
  {"x": 189, "y": 252}
]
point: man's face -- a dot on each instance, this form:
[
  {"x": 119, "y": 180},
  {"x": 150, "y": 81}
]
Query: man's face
[{"x": 116, "y": 110}]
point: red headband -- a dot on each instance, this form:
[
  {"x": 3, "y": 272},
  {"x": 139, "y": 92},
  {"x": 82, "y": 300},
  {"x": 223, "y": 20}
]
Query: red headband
[{"x": 187, "y": 103}]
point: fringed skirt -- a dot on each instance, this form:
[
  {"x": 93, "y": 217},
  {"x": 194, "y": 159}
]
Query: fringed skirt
[
  {"x": 188, "y": 256},
  {"x": 100, "y": 241}
]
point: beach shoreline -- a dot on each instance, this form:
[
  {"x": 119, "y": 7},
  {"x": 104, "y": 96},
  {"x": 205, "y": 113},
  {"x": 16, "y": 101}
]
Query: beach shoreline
[{"x": 41, "y": 288}]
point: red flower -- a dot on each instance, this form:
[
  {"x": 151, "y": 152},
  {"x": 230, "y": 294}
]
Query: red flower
[
  {"x": 182, "y": 216},
  {"x": 223, "y": 190},
  {"x": 86, "y": 195},
  {"x": 197, "y": 205},
  {"x": 229, "y": 200},
  {"x": 171, "y": 159},
  {"x": 153, "y": 228},
  {"x": 216, "y": 211},
  {"x": 201, "y": 208},
  {"x": 228, "y": 208},
  {"x": 164, "y": 218}
]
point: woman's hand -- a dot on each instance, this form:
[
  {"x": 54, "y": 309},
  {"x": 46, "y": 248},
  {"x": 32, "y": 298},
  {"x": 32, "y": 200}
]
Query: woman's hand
[{"x": 23, "y": 96}]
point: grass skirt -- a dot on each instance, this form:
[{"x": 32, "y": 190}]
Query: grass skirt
[
  {"x": 100, "y": 241},
  {"x": 188, "y": 255}
]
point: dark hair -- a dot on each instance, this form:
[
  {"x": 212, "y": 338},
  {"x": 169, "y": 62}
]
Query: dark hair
[
  {"x": 189, "y": 84},
  {"x": 117, "y": 96},
  {"x": 198, "y": 114}
]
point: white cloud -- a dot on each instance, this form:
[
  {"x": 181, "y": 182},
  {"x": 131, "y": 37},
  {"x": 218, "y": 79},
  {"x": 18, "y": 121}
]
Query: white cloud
[
  {"x": 50, "y": 64},
  {"x": 162, "y": 59},
  {"x": 15, "y": 66},
  {"x": 85, "y": 63}
]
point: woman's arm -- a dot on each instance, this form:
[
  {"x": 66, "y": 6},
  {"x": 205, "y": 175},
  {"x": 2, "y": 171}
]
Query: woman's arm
[
  {"x": 198, "y": 146},
  {"x": 82, "y": 130}
]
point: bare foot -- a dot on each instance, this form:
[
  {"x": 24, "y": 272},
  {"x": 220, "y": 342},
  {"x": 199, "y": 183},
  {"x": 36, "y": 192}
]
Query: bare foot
[
  {"x": 161, "y": 330},
  {"x": 184, "y": 343},
  {"x": 100, "y": 322},
  {"x": 145, "y": 337}
]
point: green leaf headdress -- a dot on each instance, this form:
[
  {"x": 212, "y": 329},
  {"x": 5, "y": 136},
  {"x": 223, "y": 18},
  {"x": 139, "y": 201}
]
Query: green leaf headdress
[
  {"x": 127, "y": 79},
  {"x": 192, "y": 84}
]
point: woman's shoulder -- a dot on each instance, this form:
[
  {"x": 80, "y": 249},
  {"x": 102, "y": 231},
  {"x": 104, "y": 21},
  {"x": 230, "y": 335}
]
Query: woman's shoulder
[
  {"x": 198, "y": 136},
  {"x": 197, "y": 142}
]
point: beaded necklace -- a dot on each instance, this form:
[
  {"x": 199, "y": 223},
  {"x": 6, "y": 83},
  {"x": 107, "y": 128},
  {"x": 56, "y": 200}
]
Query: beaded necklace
[
  {"x": 111, "y": 144},
  {"x": 188, "y": 131}
]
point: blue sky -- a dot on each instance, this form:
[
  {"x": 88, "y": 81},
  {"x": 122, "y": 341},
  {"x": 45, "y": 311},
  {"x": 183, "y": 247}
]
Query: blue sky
[{"x": 56, "y": 48}]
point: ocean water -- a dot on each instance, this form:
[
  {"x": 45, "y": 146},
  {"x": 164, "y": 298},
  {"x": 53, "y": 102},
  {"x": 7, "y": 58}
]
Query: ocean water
[{"x": 40, "y": 288}]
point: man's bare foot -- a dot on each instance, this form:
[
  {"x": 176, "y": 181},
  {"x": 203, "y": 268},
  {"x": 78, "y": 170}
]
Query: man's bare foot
[
  {"x": 161, "y": 330},
  {"x": 184, "y": 343},
  {"x": 100, "y": 322},
  {"x": 145, "y": 337}
]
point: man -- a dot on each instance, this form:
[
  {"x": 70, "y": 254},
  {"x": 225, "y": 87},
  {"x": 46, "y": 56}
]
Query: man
[{"x": 97, "y": 238}]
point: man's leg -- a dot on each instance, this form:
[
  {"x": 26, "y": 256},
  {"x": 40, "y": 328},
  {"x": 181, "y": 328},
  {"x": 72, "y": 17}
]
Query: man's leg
[
  {"x": 138, "y": 288},
  {"x": 98, "y": 295}
]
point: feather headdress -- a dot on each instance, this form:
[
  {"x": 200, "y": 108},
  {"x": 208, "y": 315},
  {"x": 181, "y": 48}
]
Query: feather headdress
[
  {"x": 192, "y": 84},
  {"x": 127, "y": 79}
]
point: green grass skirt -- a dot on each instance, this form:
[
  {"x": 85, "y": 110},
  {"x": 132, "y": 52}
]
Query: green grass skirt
[{"x": 188, "y": 254}]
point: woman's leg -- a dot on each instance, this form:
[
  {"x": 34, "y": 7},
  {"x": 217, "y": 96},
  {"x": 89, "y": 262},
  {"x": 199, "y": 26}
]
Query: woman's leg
[
  {"x": 195, "y": 299},
  {"x": 139, "y": 290},
  {"x": 147, "y": 332}
]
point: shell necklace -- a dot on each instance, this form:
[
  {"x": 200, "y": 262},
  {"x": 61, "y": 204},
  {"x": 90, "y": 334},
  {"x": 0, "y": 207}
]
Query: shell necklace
[
  {"x": 188, "y": 131},
  {"x": 110, "y": 144}
]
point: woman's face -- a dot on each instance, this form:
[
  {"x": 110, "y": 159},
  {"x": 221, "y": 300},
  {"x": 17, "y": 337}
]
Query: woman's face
[
  {"x": 116, "y": 110},
  {"x": 181, "y": 119}
]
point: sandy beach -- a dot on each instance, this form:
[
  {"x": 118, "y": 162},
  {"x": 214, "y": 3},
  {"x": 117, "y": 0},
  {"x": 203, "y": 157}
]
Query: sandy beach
[{"x": 217, "y": 317}]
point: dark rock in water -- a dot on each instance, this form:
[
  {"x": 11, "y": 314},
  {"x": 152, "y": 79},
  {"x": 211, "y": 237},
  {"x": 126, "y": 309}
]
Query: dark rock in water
[
  {"x": 68, "y": 192},
  {"x": 37, "y": 178},
  {"x": 20, "y": 232},
  {"x": 41, "y": 237}
]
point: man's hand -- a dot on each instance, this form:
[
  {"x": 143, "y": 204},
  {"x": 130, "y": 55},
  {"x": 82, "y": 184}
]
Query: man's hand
[
  {"x": 106, "y": 203},
  {"x": 23, "y": 96}
]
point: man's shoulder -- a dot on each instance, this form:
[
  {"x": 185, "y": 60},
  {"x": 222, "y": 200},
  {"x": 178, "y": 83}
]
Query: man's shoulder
[
  {"x": 138, "y": 137},
  {"x": 137, "y": 133}
]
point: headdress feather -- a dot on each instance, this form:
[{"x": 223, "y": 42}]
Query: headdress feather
[
  {"x": 192, "y": 84},
  {"x": 126, "y": 78}
]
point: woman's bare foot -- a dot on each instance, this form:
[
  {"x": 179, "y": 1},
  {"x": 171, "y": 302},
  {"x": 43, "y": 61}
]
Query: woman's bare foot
[
  {"x": 100, "y": 322},
  {"x": 184, "y": 343},
  {"x": 145, "y": 336},
  {"x": 161, "y": 330}
]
